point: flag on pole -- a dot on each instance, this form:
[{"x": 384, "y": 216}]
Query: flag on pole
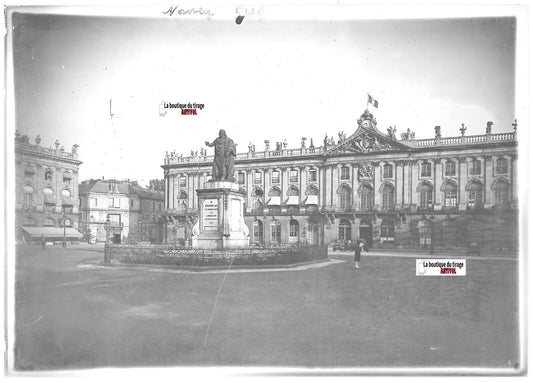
[{"x": 372, "y": 101}]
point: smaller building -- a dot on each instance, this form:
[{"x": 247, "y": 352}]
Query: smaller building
[
  {"x": 46, "y": 193},
  {"x": 118, "y": 209}
]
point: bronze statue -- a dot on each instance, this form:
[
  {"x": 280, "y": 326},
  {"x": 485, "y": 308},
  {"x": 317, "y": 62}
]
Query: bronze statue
[{"x": 225, "y": 153}]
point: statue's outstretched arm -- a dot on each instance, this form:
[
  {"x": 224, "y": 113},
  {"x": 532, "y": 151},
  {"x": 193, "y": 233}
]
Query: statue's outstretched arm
[{"x": 210, "y": 144}]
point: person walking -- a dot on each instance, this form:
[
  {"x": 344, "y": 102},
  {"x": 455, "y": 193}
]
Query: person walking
[
  {"x": 43, "y": 241},
  {"x": 358, "y": 251}
]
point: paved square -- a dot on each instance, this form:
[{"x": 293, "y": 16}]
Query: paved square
[{"x": 381, "y": 315}]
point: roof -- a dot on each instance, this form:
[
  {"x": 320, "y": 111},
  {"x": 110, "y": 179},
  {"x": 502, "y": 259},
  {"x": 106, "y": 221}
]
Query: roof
[{"x": 118, "y": 187}]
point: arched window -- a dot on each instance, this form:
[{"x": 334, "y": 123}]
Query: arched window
[
  {"x": 449, "y": 168},
  {"x": 501, "y": 194},
  {"x": 257, "y": 206},
  {"x": 257, "y": 192},
  {"x": 293, "y": 191},
  {"x": 449, "y": 191},
  {"x": 387, "y": 171},
  {"x": 388, "y": 197},
  {"x": 345, "y": 230},
  {"x": 387, "y": 231},
  {"x": 501, "y": 166},
  {"x": 312, "y": 232},
  {"x": 48, "y": 175},
  {"x": 475, "y": 167},
  {"x": 48, "y": 222},
  {"x": 28, "y": 196},
  {"x": 67, "y": 178},
  {"x": 366, "y": 196},
  {"x": 474, "y": 191},
  {"x": 426, "y": 195},
  {"x": 275, "y": 232},
  {"x": 274, "y": 191},
  {"x": 257, "y": 232},
  {"x": 345, "y": 200},
  {"x": 67, "y": 223},
  {"x": 293, "y": 231}
]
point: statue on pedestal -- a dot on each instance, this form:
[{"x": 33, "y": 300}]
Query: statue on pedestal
[{"x": 225, "y": 152}]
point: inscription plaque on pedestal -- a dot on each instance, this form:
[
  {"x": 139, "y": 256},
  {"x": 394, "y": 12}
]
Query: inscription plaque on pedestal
[{"x": 210, "y": 215}]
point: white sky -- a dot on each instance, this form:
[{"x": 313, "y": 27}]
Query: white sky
[{"x": 259, "y": 80}]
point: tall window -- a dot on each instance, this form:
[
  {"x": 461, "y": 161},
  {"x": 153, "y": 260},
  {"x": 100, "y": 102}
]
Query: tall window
[
  {"x": 275, "y": 177},
  {"x": 475, "y": 167},
  {"x": 94, "y": 202},
  {"x": 257, "y": 232},
  {"x": 387, "y": 171},
  {"x": 293, "y": 231},
  {"x": 501, "y": 194},
  {"x": 258, "y": 178},
  {"x": 275, "y": 232},
  {"x": 424, "y": 232},
  {"x": 474, "y": 192},
  {"x": 387, "y": 231},
  {"x": 366, "y": 197},
  {"x": 67, "y": 223},
  {"x": 345, "y": 230},
  {"x": 67, "y": 178},
  {"x": 241, "y": 179},
  {"x": 48, "y": 222},
  {"x": 388, "y": 197},
  {"x": 293, "y": 176},
  {"x": 183, "y": 181},
  {"x": 28, "y": 221},
  {"x": 426, "y": 196},
  {"x": 501, "y": 165},
  {"x": 48, "y": 175},
  {"x": 345, "y": 201},
  {"x": 426, "y": 169},
  {"x": 28, "y": 196},
  {"x": 312, "y": 175},
  {"x": 450, "y": 195},
  {"x": 449, "y": 169},
  {"x": 345, "y": 173}
]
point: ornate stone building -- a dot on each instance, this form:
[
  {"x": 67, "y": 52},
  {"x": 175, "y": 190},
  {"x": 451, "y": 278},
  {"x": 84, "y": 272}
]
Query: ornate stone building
[
  {"x": 46, "y": 191},
  {"x": 134, "y": 213},
  {"x": 444, "y": 191}
]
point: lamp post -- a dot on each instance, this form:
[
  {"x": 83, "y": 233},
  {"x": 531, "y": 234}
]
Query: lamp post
[{"x": 432, "y": 237}]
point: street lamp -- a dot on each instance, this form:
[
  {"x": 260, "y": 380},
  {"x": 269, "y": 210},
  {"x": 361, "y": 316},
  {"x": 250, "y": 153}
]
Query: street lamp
[{"x": 432, "y": 237}]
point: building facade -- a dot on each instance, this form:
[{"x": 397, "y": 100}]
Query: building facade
[
  {"x": 46, "y": 191},
  {"x": 120, "y": 212},
  {"x": 392, "y": 192}
]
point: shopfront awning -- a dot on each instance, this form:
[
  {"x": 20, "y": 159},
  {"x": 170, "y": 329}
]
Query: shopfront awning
[
  {"x": 274, "y": 201},
  {"x": 311, "y": 200},
  {"x": 293, "y": 200},
  {"x": 51, "y": 232}
]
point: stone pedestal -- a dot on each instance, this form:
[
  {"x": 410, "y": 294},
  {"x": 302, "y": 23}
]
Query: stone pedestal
[{"x": 220, "y": 217}]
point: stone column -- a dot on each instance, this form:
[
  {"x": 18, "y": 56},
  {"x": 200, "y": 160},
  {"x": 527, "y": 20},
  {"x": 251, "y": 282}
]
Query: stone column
[
  {"x": 513, "y": 168},
  {"x": 355, "y": 185},
  {"x": 462, "y": 169},
  {"x": 398, "y": 176},
  {"x": 328, "y": 171},
  {"x": 377, "y": 183},
  {"x": 488, "y": 171},
  {"x": 439, "y": 176}
]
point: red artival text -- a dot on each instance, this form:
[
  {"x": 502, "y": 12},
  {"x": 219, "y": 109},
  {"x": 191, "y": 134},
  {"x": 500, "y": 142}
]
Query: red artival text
[
  {"x": 447, "y": 270},
  {"x": 188, "y": 111}
]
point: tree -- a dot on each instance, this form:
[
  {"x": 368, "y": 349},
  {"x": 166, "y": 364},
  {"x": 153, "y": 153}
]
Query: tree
[{"x": 157, "y": 185}]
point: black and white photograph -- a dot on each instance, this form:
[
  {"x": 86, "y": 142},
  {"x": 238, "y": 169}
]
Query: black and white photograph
[{"x": 334, "y": 189}]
